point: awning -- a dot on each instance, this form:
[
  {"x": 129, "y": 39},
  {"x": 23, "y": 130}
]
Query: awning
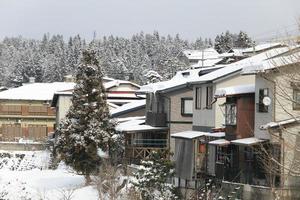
[
  {"x": 188, "y": 134},
  {"x": 216, "y": 134},
  {"x": 219, "y": 142},
  {"x": 247, "y": 141},
  {"x": 196, "y": 134},
  {"x": 242, "y": 89}
]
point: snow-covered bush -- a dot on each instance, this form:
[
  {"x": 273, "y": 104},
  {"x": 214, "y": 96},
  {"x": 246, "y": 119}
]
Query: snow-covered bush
[{"x": 152, "y": 178}]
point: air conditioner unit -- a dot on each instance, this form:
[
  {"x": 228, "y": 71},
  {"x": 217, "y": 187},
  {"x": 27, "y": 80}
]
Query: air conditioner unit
[{"x": 18, "y": 121}]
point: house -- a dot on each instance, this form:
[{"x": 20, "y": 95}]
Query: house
[
  {"x": 25, "y": 112},
  {"x": 169, "y": 109},
  {"x": 218, "y": 95},
  {"x": 118, "y": 92},
  {"x": 277, "y": 114},
  {"x": 201, "y": 58}
]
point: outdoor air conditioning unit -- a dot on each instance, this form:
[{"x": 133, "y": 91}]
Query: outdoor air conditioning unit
[{"x": 18, "y": 121}]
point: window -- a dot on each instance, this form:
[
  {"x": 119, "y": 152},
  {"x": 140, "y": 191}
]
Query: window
[
  {"x": 262, "y": 94},
  {"x": 198, "y": 98},
  {"x": 296, "y": 99},
  {"x": 187, "y": 106},
  {"x": 230, "y": 114},
  {"x": 209, "y": 97}
]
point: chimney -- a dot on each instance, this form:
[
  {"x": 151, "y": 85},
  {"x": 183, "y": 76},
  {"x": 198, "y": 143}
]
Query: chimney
[{"x": 31, "y": 80}]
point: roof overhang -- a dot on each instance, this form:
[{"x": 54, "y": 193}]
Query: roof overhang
[
  {"x": 247, "y": 141},
  {"x": 197, "y": 134},
  {"x": 235, "y": 90},
  {"x": 278, "y": 124},
  {"x": 219, "y": 142}
]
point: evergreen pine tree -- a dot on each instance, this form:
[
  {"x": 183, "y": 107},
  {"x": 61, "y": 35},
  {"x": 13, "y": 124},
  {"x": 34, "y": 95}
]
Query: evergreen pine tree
[
  {"x": 151, "y": 179},
  {"x": 87, "y": 126},
  {"x": 243, "y": 40}
]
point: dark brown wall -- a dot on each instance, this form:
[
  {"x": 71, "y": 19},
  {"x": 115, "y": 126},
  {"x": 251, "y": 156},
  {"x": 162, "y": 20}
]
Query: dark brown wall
[{"x": 245, "y": 116}]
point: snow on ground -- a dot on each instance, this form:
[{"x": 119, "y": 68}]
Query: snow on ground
[{"x": 25, "y": 175}]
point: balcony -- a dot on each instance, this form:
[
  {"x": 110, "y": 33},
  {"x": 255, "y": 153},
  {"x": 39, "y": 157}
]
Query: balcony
[{"x": 156, "y": 119}]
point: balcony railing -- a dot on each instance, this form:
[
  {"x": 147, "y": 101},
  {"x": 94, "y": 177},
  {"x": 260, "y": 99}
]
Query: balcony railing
[
  {"x": 156, "y": 119},
  {"x": 135, "y": 154}
]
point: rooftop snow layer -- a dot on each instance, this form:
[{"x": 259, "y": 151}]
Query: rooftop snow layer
[
  {"x": 128, "y": 107},
  {"x": 116, "y": 83},
  {"x": 36, "y": 91},
  {"x": 237, "y": 66},
  {"x": 180, "y": 79},
  {"x": 136, "y": 125},
  {"x": 241, "y": 89},
  {"x": 273, "y": 63},
  {"x": 261, "y": 47},
  {"x": 196, "y": 134},
  {"x": 201, "y": 54},
  {"x": 247, "y": 141}
]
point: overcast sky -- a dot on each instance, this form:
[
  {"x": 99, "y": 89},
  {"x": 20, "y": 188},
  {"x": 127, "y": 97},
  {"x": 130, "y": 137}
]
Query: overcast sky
[{"x": 189, "y": 18}]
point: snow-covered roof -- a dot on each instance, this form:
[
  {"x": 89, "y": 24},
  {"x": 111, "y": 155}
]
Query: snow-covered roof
[
  {"x": 188, "y": 134},
  {"x": 247, "y": 141},
  {"x": 239, "y": 65},
  {"x": 280, "y": 123},
  {"x": 207, "y": 63},
  {"x": 36, "y": 91},
  {"x": 261, "y": 47},
  {"x": 105, "y": 78},
  {"x": 128, "y": 107},
  {"x": 116, "y": 83},
  {"x": 219, "y": 142},
  {"x": 136, "y": 125},
  {"x": 273, "y": 63},
  {"x": 241, "y": 89},
  {"x": 196, "y": 134},
  {"x": 201, "y": 54},
  {"x": 179, "y": 80},
  {"x": 112, "y": 105}
]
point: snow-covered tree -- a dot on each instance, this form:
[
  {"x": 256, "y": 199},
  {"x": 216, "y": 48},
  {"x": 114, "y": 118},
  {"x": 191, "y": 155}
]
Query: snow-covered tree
[
  {"x": 151, "y": 179},
  {"x": 153, "y": 77},
  {"x": 87, "y": 126},
  {"x": 227, "y": 41},
  {"x": 243, "y": 40}
]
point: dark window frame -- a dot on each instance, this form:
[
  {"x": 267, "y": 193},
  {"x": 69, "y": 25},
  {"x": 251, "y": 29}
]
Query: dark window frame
[
  {"x": 198, "y": 96},
  {"x": 183, "y": 107},
  {"x": 231, "y": 117},
  {"x": 209, "y": 97}
]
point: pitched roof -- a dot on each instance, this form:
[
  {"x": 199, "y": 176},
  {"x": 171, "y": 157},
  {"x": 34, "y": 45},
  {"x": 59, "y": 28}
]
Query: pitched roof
[
  {"x": 179, "y": 81},
  {"x": 238, "y": 66},
  {"x": 36, "y": 91},
  {"x": 116, "y": 83},
  {"x": 273, "y": 63}
]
